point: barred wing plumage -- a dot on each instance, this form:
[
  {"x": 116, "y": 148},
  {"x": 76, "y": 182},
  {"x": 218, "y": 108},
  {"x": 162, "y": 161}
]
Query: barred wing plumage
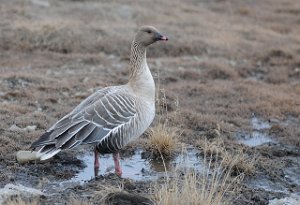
[{"x": 98, "y": 119}]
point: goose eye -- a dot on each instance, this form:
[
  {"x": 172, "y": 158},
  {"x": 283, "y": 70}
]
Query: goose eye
[{"x": 149, "y": 31}]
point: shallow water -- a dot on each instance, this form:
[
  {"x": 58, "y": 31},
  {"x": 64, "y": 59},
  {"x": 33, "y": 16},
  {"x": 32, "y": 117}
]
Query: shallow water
[
  {"x": 293, "y": 199},
  {"x": 282, "y": 184},
  {"x": 254, "y": 139},
  {"x": 136, "y": 168},
  {"x": 258, "y": 124},
  {"x": 266, "y": 183},
  {"x": 259, "y": 135},
  {"x": 287, "y": 184}
]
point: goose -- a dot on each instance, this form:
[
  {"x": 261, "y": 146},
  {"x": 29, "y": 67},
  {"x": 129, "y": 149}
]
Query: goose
[{"x": 111, "y": 117}]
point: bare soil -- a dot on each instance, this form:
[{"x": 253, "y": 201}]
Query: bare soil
[{"x": 225, "y": 62}]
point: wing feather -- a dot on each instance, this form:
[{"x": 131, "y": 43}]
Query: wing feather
[
  {"x": 92, "y": 121},
  {"x": 67, "y": 135}
]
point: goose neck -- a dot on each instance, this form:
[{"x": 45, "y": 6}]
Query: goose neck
[{"x": 137, "y": 59}]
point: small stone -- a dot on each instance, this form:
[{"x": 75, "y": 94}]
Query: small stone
[
  {"x": 129, "y": 184},
  {"x": 66, "y": 94},
  {"x": 109, "y": 168},
  {"x": 26, "y": 156},
  {"x": 291, "y": 200},
  {"x": 10, "y": 190},
  {"x": 31, "y": 127},
  {"x": 125, "y": 198},
  {"x": 14, "y": 127},
  {"x": 86, "y": 79},
  {"x": 232, "y": 63},
  {"x": 146, "y": 155}
]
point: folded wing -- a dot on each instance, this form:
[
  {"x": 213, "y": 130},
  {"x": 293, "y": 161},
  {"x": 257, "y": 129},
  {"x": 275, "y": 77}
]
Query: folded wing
[{"x": 92, "y": 121}]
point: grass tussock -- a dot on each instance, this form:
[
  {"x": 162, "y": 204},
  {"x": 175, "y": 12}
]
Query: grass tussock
[
  {"x": 236, "y": 159},
  {"x": 110, "y": 195},
  {"x": 240, "y": 162},
  {"x": 77, "y": 201},
  {"x": 213, "y": 187},
  {"x": 162, "y": 141},
  {"x": 19, "y": 201}
]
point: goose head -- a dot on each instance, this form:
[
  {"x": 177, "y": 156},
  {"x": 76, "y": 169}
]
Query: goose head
[{"x": 147, "y": 35}]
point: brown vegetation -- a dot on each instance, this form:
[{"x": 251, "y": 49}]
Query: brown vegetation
[
  {"x": 162, "y": 141},
  {"x": 225, "y": 61},
  {"x": 20, "y": 201},
  {"x": 238, "y": 161},
  {"x": 213, "y": 187}
]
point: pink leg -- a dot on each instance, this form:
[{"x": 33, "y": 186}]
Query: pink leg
[
  {"x": 96, "y": 163},
  {"x": 118, "y": 169}
]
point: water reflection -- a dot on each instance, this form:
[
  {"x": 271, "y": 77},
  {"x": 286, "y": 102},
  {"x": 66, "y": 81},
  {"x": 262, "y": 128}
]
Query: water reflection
[
  {"x": 136, "y": 168},
  {"x": 259, "y": 135}
]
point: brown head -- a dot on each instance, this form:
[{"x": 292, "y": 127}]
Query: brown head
[{"x": 147, "y": 35}]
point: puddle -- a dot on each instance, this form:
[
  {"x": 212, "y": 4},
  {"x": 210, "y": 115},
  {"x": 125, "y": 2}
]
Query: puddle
[
  {"x": 259, "y": 135},
  {"x": 258, "y": 124},
  {"x": 254, "y": 139},
  {"x": 293, "y": 199},
  {"x": 266, "y": 183},
  {"x": 136, "y": 168},
  {"x": 287, "y": 184},
  {"x": 133, "y": 167}
]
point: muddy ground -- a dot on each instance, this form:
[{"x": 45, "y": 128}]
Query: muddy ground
[{"x": 229, "y": 76}]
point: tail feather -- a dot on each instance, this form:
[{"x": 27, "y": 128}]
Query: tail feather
[
  {"x": 68, "y": 134},
  {"x": 47, "y": 152},
  {"x": 50, "y": 144},
  {"x": 42, "y": 141}
]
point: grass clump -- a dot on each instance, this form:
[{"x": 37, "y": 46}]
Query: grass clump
[
  {"x": 212, "y": 187},
  {"x": 19, "y": 201},
  {"x": 77, "y": 201},
  {"x": 237, "y": 159},
  {"x": 240, "y": 162},
  {"x": 162, "y": 141}
]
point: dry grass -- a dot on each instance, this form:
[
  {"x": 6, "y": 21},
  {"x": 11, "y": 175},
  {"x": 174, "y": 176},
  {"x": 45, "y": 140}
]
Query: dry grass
[
  {"x": 74, "y": 200},
  {"x": 111, "y": 195},
  {"x": 213, "y": 187},
  {"x": 240, "y": 162},
  {"x": 53, "y": 37},
  {"x": 271, "y": 167},
  {"x": 105, "y": 191},
  {"x": 237, "y": 159},
  {"x": 233, "y": 59},
  {"x": 162, "y": 141},
  {"x": 20, "y": 201},
  {"x": 214, "y": 61}
]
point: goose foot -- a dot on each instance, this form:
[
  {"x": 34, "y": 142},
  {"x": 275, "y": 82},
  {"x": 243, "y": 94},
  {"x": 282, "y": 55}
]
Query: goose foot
[
  {"x": 96, "y": 163},
  {"x": 118, "y": 168}
]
